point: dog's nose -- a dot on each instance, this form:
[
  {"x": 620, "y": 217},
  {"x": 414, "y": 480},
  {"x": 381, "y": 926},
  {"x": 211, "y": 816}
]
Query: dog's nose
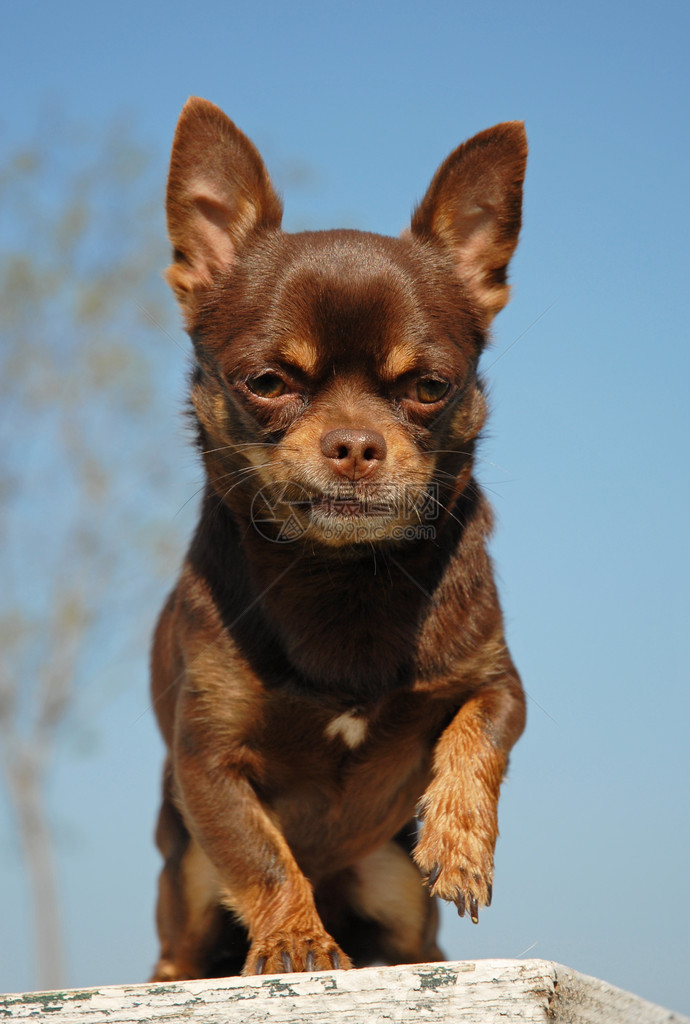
[{"x": 354, "y": 453}]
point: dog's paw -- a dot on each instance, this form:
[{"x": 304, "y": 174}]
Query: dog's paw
[
  {"x": 458, "y": 867},
  {"x": 285, "y": 952}
]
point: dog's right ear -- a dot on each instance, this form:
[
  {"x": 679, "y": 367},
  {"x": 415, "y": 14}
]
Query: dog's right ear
[
  {"x": 472, "y": 208},
  {"x": 219, "y": 193}
]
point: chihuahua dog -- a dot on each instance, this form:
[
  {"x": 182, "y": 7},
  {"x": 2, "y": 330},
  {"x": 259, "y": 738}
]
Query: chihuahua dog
[{"x": 330, "y": 674}]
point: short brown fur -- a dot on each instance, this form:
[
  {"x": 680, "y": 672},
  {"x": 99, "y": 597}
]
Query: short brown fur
[{"x": 332, "y": 661}]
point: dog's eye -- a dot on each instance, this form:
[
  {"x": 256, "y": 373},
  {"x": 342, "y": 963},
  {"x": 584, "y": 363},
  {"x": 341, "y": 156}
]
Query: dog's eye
[
  {"x": 267, "y": 385},
  {"x": 431, "y": 389}
]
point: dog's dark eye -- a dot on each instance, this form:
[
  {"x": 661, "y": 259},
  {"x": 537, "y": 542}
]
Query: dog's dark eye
[
  {"x": 431, "y": 389},
  {"x": 267, "y": 385}
]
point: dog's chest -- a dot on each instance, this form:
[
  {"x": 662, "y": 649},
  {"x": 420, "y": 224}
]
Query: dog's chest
[{"x": 343, "y": 782}]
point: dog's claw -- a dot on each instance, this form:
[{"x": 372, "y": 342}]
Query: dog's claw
[
  {"x": 292, "y": 953},
  {"x": 460, "y": 904},
  {"x": 474, "y": 910},
  {"x": 489, "y": 893},
  {"x": 433, "y": 876}
]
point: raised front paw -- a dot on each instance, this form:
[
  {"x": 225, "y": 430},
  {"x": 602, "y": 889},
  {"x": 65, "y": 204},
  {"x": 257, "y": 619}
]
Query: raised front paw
[
  {"x": 284, "y": 952},
  {"x": 458, "y": 867}
]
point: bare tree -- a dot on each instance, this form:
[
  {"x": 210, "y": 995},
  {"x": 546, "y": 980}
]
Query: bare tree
[{"x": 82, "y": 459}]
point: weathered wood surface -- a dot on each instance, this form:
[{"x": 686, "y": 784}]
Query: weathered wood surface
[{"x": 466, "y": 992}]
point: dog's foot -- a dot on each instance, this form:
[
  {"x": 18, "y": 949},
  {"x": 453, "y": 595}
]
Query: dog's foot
[
  {"x": 285, "y": 952},
  {"x": 457, "y": 866}
]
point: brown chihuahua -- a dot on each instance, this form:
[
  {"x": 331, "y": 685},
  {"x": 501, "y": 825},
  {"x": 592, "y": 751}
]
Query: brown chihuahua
[{"x": 330, "y": 673}]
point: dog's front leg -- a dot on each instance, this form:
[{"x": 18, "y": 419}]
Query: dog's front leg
[
  {"x": 459, "y": 809},
  {"x": 259, "y": 879}
]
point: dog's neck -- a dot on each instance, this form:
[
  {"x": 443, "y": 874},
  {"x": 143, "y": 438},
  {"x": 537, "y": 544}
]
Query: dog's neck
[{"x": 284, "y": 603}]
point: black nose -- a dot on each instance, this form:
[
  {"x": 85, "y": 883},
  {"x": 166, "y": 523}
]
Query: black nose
[{"x": 354, "y": 453}]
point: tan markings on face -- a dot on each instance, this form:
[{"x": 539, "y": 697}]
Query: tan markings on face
[
  {"x": 403, "y": 473},
  {"x": 301, "y": 352},
  {"x": 349, "y": 727},
  {"x": 402, "y": 358}
]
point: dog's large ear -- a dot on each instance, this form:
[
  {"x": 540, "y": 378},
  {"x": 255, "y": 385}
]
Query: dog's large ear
[
  {"x": 219, "y": 192},
  {"x": 473, "y": 208}
]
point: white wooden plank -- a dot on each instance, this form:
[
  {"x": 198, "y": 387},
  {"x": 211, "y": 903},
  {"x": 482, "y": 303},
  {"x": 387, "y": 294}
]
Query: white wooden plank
[
  {"x": 466, "y": 992},
  {"x": 580, "y": 999}
]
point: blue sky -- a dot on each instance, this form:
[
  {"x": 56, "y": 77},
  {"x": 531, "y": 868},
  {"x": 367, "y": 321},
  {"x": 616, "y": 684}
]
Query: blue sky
[{"x": 586, "y": 455}]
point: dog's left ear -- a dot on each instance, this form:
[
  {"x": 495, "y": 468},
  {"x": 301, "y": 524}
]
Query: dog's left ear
[{"x": 473, "y": 207}]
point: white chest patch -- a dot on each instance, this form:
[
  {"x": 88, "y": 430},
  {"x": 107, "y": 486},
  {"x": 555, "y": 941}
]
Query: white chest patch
[{"x": 350, "y": 727}]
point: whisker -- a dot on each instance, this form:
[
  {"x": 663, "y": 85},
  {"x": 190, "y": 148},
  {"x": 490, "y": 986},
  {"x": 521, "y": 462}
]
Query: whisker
[
  {"x": 469, "y": 455},
  {"x": 190, "y": 498},
  {"x": 247, "y": 471},
  {"x": 528, "y": 328},
  {"x": 446, "y": 509},
  {"x": 151, "y": 318},
  {"x": 243, "y": 472},
  {"x": 239, "y": 447}
]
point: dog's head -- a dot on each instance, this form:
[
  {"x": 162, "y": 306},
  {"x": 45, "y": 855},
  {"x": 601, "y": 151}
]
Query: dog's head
[{"x": 335, "y": 384}]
